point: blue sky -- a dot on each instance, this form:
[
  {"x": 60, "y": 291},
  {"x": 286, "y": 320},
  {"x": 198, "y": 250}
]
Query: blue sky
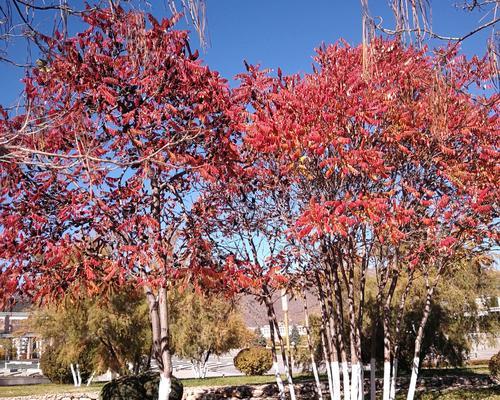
[{"x": 278, "y": 33}]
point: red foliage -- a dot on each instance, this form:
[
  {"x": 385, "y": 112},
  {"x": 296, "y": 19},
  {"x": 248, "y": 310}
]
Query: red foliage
[
  {"x": 121, "y": 127},
  {"x": 404, "y": 155}
]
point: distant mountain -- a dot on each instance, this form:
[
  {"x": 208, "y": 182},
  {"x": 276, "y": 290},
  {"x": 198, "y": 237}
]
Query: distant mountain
[{"x": 255, "y": 314}]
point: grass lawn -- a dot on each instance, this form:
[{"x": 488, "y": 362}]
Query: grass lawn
[
  {"x": 46, "y": 388},
  {"x": 467, "y": 370}
]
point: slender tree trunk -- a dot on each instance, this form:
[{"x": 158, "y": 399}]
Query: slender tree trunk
[
  {"x": 399, "y": 319},
  {"x": 418, "y": 341},
  {"x": 388, "y": 338},
  {"x": 277, "y": 375},
  {"x": 78, "y": 376},
  {"x": 91, "y": 378},
  {"x": 394, "y": 374},
  {"x": 165, "y": 355},
  {"x": 340, "y": 337},
  {"x": 196, "y": 368},
  {"x": 361, "y": 309},
  {"x": 387, "y": 361},
  {"x": 311, "y": 348},
  {"x": 73, "y": 374},
  {"x": 335, "y": 354},
  {"x": 206, "y": 356},
  {"x": 284, "y": 357},
  {"x": 373, "y": 360},
  {"x": 327, "y": 362},
  {"x": 333, "y": 360},
  {"x": 355, "y": 358},
  {"x": 158, "y": 311}
]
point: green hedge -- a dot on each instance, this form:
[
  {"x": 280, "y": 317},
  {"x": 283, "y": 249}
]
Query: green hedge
[
  {"x": 139, "y": 387},
  {"x": 494, "y": 366},
  {"x": 254, "y": 361}
]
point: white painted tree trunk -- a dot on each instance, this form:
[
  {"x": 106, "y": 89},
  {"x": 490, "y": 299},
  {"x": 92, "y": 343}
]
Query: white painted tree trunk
[
  {"x": 277, "y": 373},
  {"x": 394, "y": 375},
  {"x": 328, "y": 367},
  {"x": 165, "y": 387},
  {"x": 361, "y": 395},
  {"x": 89, "y": 381},
  {"x": 205, "y": 370},
  {"x": 291, "y": 388},
  {"x": 279, "y": 381},
  {"x": 336, "y": 380},
  {"x": 387, "y": 380},
  {"x": 413, "y": 379},
  {"x": 73, "y": 374},
  {"x": 373, "y": 385},
  {"x": 78, "y": 375},
  {"x": 355, "y": 375},
  {"x": 311, "y": 349},
  {"x": 346, "y": 380},
  {"x": 195, "y": 370},
  {"x": 420, "y": 336},
  {"x": 316, "y": 377}
]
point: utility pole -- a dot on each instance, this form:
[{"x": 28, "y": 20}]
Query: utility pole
[{"x": 284, "y": 306}]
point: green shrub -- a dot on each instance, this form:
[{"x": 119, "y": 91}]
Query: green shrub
[
  {"x": 254, "y": 361},
  {"x": 57, "y": 371},
  {"x": 494, "y": 366},
  {"x": 139, "y": 387}
]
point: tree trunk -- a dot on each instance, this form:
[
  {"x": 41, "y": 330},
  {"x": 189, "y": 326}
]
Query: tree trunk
[
  {"x": 333, "y": 360},
  {"x": 418, "y": 341},
  {"x": 91, "y": 378},
  {"x": 394, "y": 374},
  {"x": 399, "y": 319},
  {"x": 73, "y": 374},
  {"x": 340, "y": 337},
  {"x": 78, "y": 375},
  {"x": 165, "y": 355},
  {"x": 327, "y": 363},
  {"x": 311, "y": 348},
  {"x": 387, "y": 338},
  {"x": 284, "y": 357},
  {"x": 355, "y": 356},
  {"x": 277, "y": 375},
  {"x": 158, "y": 311},
  {"x": 373, "y": 360},
  {"x": 373, "y": 385}
]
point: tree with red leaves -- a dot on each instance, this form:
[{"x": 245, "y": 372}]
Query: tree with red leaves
[
  {"x": 396, "y": 169},
  {"x": 100, "y": 184}
]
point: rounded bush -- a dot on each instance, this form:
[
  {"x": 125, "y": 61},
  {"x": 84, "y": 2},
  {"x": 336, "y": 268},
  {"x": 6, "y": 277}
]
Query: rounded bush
[
  {"x": 139, "y": 387},
  {"x": 494, "y": 366},
  {"x": 57, "y": 371},
  {"x": 254, "y": 361}
]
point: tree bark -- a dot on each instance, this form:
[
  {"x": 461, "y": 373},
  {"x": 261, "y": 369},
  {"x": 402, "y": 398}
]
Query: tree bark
[
  {"x": 387, "y": 337},
  {"x": 311, "y": 348},
  {"x": 338, "y": 309},
  {"x": 418, "y": 340},
  {"x": 165, "y": 355},
  {"x": 279, "y": 381},
  {"x": 327, "y": 362},
  {"x": 73, "y": 374},
  {"x": 333, "y": 360},
  {"x": 284, "y": 357},
  {"x": 399, "y": 319},
  {"x": 373, "y": 360}
]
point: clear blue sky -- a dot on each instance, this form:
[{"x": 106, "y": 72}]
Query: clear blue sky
[{"x": 280, "y": 33}]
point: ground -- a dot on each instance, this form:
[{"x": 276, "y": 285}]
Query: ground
[{"x": 455, "y": 394}]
